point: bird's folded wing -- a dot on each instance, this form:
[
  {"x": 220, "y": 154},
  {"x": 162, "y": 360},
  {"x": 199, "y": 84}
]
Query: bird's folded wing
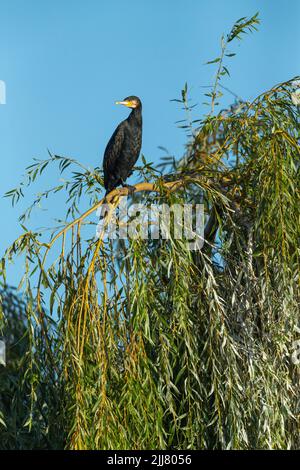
[{"x": 113, "y": 149}]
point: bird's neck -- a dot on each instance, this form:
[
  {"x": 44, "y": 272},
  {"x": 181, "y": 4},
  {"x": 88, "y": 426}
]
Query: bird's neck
[{"x": 136, "y": 115}]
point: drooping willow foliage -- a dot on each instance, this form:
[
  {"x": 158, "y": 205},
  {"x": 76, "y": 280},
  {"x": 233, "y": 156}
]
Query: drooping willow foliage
[
  {"x": 28, "y": 387},
  {"x": 145, "y": 344}
]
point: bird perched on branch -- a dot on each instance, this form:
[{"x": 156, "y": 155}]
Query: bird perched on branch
[{"x": 123, "y": 148}]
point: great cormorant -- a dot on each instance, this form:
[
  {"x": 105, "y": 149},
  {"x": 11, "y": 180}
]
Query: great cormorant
[{"x": 123, "y": 148}]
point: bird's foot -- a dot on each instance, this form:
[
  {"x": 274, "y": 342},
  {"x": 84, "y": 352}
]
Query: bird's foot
[{"x": 131, "y": 189}]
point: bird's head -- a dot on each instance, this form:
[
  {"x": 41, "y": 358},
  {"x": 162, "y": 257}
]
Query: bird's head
[{"x": 131, "y": 102}]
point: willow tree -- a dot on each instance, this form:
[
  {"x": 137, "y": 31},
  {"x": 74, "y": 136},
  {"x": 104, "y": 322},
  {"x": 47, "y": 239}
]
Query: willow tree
[
  {"x": 151, "y": 344},
  {"x": 18, "y": 380}
]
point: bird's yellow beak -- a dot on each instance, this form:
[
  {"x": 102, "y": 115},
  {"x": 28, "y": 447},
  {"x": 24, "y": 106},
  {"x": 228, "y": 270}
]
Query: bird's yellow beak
[{"x": 125, "y": 103}]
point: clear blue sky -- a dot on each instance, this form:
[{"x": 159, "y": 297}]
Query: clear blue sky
[{"x": 65, "y": 62}]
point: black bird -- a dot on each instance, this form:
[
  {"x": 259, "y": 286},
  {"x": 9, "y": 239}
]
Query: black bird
[{"x": 123, "y": 148}]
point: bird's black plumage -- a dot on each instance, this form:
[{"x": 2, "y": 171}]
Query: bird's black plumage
[{"x": 123, "y": 148}]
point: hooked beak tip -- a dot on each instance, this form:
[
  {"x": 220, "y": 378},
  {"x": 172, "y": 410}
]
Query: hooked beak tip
[{"x": 125, "y": 103}]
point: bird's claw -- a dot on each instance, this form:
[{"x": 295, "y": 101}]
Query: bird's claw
[{"x": 131, "y": 189}]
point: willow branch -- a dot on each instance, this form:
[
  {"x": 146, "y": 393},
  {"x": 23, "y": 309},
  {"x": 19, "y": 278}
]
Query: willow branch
[{"x": 140, "y": 187}]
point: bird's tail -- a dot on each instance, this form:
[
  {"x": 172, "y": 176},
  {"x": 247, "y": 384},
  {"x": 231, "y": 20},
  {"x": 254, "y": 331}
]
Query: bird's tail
[{"x": 104, "y": 207}]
